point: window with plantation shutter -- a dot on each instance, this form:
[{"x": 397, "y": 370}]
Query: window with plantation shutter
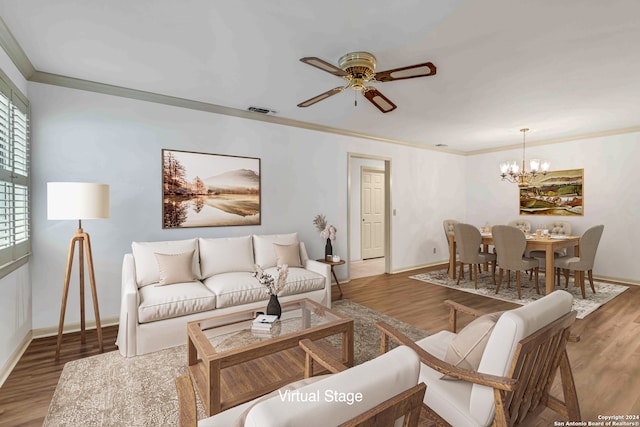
[{"x": 15, "y": 221}]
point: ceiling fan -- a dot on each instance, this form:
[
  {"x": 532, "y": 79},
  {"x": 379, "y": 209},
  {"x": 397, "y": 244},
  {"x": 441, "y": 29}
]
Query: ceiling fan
[{"x": 358, "y": 69}]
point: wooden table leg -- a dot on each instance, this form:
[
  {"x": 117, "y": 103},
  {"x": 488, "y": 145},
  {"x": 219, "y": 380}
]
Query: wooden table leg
[
  {"x": 452, "y": 257},
  {"x": 549, "y": 273},
  {"x": 336, "y": 279}
]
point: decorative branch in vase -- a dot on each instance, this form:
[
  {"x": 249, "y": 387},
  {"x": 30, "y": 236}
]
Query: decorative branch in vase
[
  {"x": 273, "y": 286},
  {"x": 328, "y": 232}
]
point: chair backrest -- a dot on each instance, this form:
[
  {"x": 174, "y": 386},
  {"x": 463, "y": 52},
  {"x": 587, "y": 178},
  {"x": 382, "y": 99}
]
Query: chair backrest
[
  {"x": 510, "y": 244},
  {"x": 509, "y": 345},
  {"x": 589, "y": 242},
  {"x": 448, "y": 227},
  {"x": 522, "y": 224},
  {"x": 468, "y": 240},
  {"x": 559, "y": 227},
  {"x": 376, "y": 380}
]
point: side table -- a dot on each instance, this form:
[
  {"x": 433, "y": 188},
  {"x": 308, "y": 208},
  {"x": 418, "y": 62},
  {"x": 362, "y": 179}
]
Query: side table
[{"x": 333, "y": 264}]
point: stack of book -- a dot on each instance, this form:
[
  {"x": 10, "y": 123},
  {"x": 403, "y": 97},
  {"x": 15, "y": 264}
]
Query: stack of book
[{"x": 263, "y": 323}]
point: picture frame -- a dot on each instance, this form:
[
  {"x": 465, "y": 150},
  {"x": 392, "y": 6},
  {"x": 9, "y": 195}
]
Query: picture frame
[
  {"x": 209, "y": 190},
  {"x": 556, "y": 193}
]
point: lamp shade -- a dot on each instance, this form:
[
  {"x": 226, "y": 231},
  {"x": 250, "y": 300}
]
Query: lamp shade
[{"x": 77, "y": 200}]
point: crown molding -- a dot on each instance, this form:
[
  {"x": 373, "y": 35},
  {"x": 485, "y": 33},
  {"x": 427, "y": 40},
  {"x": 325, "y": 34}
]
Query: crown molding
[
  {"x": 15, "y": 52},
  {"x": 600, "y": 134},
  {"x": 107, "y": 89}
]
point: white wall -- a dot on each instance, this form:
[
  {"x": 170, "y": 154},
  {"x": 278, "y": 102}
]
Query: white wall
[
  {"x": 84, "y": 136},
  {"x": 355, "y": 203},
  {"x": 15, "y": 288},
  {"x": 611, "y": 194}
]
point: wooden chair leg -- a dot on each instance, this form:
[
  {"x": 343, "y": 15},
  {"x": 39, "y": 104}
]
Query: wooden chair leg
[
  {"x": 581, "y": 283},
  {"x": 461, "y": 274},
  {"x": 518, "y": 283},
  {"x": 593, "y": 288},
  {"x": 493, "y": 273},
  {"x": 499, "y": 280},
  {"x": 475, "y": 271},
  {"x": 566, "y": 277}
]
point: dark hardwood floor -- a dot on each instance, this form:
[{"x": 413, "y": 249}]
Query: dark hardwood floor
[{"x": 606, "y": 362}]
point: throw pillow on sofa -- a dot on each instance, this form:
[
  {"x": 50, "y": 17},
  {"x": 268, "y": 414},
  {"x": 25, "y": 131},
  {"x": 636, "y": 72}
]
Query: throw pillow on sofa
[
  {"x": 175, "y": 268},
  {"x": 145, "y": 261},
  {"x": 288, "y": 254},
  {"x": 265, "y": 254}
]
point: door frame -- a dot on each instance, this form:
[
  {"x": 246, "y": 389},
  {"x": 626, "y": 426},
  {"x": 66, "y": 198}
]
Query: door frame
[{"x": 387, "y": 206}]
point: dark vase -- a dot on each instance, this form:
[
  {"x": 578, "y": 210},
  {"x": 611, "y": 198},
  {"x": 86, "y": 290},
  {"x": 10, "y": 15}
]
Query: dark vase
[
  {"x": 328, "y": 250},
  {"x": 274, "y": 306}
]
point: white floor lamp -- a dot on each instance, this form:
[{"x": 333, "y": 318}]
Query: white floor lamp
[{"x": 78, "y": 201}]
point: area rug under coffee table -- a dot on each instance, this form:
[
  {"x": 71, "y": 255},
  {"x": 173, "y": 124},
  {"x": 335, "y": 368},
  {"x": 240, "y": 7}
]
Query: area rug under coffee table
[
  {"x": 111, "y": 390},
  {"x": 605, "y": 292}
]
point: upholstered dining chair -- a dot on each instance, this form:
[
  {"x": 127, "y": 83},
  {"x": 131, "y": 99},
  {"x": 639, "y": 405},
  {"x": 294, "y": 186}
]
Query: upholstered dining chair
[
  {"x": 522, "y": 224},
  {"x": 507, "y": 378},
  {"x": 448, "y": 229},
  {"x": 510, "y": 244},
  {"x": 468, "y": 240},
  {"x": 588, "y": 245}
]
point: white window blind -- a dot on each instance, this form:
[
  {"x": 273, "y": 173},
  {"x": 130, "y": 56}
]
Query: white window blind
[{"x": 15, "y": 231}]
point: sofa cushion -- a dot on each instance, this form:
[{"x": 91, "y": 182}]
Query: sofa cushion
[
  {"x": 147, "y": 271},
  {"x": 265, "y": 254},
  {"x": 288, "y": 254},
  {"x": 236, "y": 288},
  {"x": 466, "y": 349},
  {"x": 299, "y": 280},
  {"x": 179, "y": 299},
  {"x": 175, "y": 268},
  {"x": 224, "y": 255}
]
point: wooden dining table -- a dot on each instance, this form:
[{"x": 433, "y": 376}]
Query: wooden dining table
[{"x": 548, "y": 244}]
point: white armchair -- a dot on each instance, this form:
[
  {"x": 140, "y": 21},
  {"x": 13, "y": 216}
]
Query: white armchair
[
  {"x": 382, "y": 392},
  {"x": 515, "y": 371}
]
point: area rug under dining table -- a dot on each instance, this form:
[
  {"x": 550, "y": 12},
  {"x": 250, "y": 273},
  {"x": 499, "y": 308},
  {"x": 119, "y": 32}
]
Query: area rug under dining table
[
  {"x": 111, "y": 390},
  {"x": 605, "y": 292}
]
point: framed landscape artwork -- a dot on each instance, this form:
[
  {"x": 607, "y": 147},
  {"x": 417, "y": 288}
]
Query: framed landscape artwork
[
  {"x": 209, "y": 190},
  {"x": 556, "y": 193}
]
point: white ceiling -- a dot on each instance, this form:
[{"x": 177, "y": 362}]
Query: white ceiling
[{"x": 563, "y": 68}]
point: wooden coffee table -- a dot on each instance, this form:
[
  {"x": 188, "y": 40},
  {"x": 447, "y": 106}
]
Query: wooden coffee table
[{"x": 230, "y": 364}]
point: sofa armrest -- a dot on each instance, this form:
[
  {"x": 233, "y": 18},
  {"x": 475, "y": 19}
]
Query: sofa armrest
[
  {"x": 126, "y": 340},
  {"x": 325, "y": 271}
]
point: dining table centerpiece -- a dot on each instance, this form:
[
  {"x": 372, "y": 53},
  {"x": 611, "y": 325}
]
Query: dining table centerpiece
[{"x": 273, "y": 286}]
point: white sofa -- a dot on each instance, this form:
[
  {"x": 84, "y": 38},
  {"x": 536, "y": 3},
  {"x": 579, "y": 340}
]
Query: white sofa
[{"x": 153, "y": 316}]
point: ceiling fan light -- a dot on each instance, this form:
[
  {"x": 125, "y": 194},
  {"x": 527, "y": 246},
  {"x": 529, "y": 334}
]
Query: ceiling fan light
[
  {"x": 515, "y": 168},
  {"x": 504, "y": 167}
]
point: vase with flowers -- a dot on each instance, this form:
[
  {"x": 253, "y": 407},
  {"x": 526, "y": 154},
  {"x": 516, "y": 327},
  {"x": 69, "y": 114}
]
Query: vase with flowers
[
  {"x": 273, "y": 286},
  {"x": 328, "y": 232}
]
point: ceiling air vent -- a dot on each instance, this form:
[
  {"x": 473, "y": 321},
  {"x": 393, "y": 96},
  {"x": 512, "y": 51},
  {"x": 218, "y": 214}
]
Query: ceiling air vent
[{"x": 260, "y": 110}]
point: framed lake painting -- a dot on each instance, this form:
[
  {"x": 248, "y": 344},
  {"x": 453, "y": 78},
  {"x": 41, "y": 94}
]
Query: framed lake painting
[
  {"x": 556, "y": 193},
  {"x": 209, "y": 190}
]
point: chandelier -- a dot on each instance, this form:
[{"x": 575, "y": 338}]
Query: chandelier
[{"x": 517, "y": 174}]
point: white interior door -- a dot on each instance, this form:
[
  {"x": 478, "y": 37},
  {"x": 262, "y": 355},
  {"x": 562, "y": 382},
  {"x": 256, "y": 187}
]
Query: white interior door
[{"x": 372, "y": 211}]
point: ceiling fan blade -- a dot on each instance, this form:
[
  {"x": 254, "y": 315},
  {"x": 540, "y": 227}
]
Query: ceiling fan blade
[
  {"x": 410, "y": 72},
  {"x": 320, "y": 97},
  {"x": 383, "y": 103},
  {"x": 324, "y": 66}
]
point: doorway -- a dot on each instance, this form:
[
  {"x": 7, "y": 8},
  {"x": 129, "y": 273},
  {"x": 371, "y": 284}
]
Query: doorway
[{"x": 368, "y": 189}]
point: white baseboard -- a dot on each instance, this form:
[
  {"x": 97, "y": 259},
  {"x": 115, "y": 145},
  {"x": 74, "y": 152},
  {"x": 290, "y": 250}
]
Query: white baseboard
[
  {"x": 417, "y": 267},
  {"x": 73, "y": 327},
  {"x": 15, "y": 357}
]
